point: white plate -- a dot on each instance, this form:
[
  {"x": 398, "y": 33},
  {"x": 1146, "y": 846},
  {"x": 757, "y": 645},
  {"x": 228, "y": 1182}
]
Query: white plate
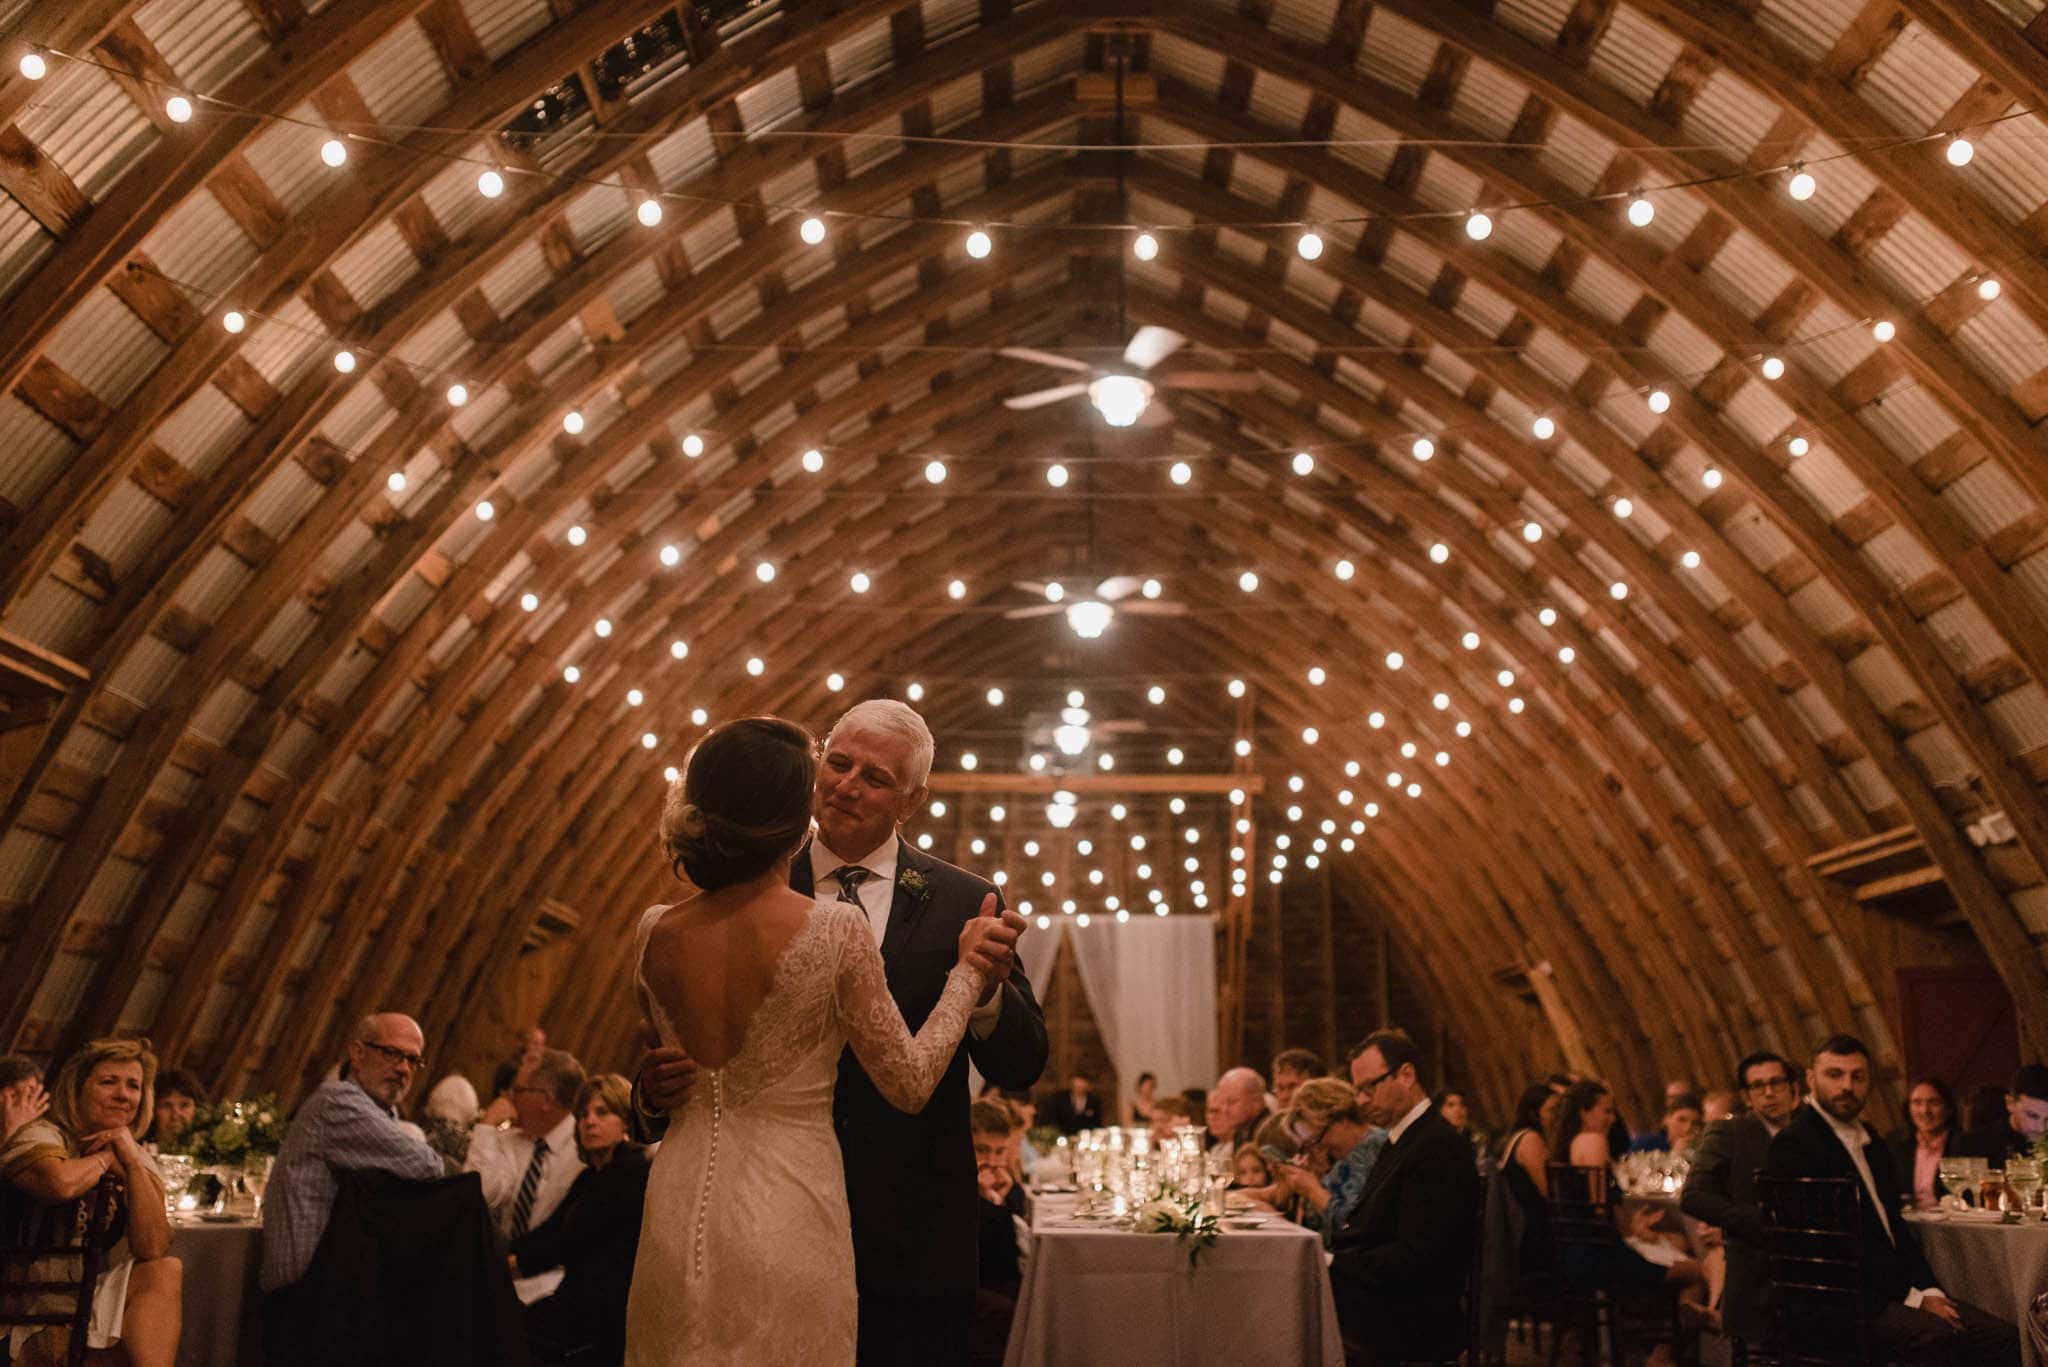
[{"x": 1243, "y": 1221}]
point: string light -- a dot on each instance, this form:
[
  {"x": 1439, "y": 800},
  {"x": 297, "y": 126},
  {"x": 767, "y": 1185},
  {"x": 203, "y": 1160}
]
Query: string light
[
  {"x": 603, "y": 627},
  {"x": 1316, "y": 676},
  {"x": 812, "y": 230},
  {"x": 1691, "y": 560},
  {"x": 1546, "y": 617},
  {"x": 915, "y": 692},
  {"x": 1303, "y": 463},
  {"x": 395, "y": 481},
  {"x": 1773, "y": 367},
  {"x": 1532, "y": 532},
  {"x": 1641, "y": 211},
  {"x": 698, "y": 716},
  {"x": 957, "y": 589},
  {"x": 345, "y": 361},
  {"x": 1151, "y": 588},
  {"x": 649, "y": 213},
  {"x": 1617, "y": 590},
  {"x": 1248, "y": 581},
  {"x": 679, "y": 650},
  {"x": 33, "y": 67},
  {"x": 1884, "y": 330},
  {"x": 756, "y": 666},
  {"x": 1344, "y": 569},
  {"x": 571, "y": 674},
  {"x": 179, "y": 108},
  {"x": 334, "y": 152},
  {"x": 1235, "y": 688},
  {"x": 1711, "y": 477},
  {"x": 1543, "y": 428},
  {"x": 1470, "y": 640},
  {"x": 1422, "y": 449},
  {"x": 671, "y": 556},
  {"x": 935, "y": 472},
  {"x": 1798, "y": 446},
  {"x": 1394, "y": 660},
  {"x": 634, "y": 697},
  {"x": 648, "y": 740},
  {"x": 813, "y": 461},
  {"x": 576, "y": 535},
  {"x": 1055, "y": 591},
  {"x": 490, "y": 184},
  {"x": 233, "y": 321},
  {"x": 485, "y": 511},
  {"x": 860, "y": 583},
  {"x": 572, "y": 423},
  {"x": 1144, "y": 246},
  {"x": 1987, "y": 289},
  {"x": 1309, "y": 245},
  {"x": 765, "y": 572},
  {"x": 1439, "y": 553},
  {"x": 1959, "y": 151},
  {"x": 1478, "y": 226},
  {"x": 1056, "y": 476},
  {"x": 995, "y": 697},
  {"x": 1660, "y": 401},
  {"x": 1623, "y": 508},
  {"x": 671, "y": 774},
  {"x": 458, "y": 395},
  {"x": 1181, "y": 472},
  {"x": 693, "y": 446},
  {"x": 979, "y": 244},
  {"x": 1155, "y": 695},
  {"x": 1802, "y": 184}
]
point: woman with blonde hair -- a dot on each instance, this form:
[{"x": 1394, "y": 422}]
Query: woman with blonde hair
[
  {"x": 1326, "y": 1119},
  {"x": 101, "y": 1104}
]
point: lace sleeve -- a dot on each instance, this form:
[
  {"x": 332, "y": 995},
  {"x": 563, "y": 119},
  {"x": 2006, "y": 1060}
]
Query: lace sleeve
[{"x": 904, "y": 1069}]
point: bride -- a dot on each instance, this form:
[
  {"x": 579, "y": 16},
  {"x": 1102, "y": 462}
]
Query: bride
[{"x": 746, "y": 1250}]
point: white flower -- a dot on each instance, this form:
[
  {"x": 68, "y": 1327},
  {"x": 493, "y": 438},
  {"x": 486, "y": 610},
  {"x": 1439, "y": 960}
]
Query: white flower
[{"x": 1160, "y": 1217}]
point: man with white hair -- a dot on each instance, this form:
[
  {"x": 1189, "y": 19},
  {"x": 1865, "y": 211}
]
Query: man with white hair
[
  {"x": 910, "y": 1179},
  {"x": 1237, "y": 1103}
]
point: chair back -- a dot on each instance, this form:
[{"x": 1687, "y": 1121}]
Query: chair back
[
  {"x": 1582, "y": 1229},
  {"x": 51, "y": 1255},
  {"x": 1813, "y": 1238}
]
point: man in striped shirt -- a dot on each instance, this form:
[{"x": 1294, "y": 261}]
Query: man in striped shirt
[{"x": 349, "y": 1123}]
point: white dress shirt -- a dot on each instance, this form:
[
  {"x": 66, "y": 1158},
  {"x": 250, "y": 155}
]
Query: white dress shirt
[
  {"x": 877, "y": 896},
  {"x": 500, "y": 1158},
  {"x": 1854, "y": 1136},
  {"x": 1400, "y": 1127}
]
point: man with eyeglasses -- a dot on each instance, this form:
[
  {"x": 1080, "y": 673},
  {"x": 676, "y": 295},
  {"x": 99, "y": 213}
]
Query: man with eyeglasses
[
  {"x": 1720, "y": 1189},
  {"x": 351, "y": 1122}
]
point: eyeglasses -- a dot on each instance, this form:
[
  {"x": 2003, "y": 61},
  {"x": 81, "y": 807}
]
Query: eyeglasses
[
  {"x": 1770, "y": 1084},
  {"x": 411, "y": 1060},
  {"x": 1365, "y": 1087}
]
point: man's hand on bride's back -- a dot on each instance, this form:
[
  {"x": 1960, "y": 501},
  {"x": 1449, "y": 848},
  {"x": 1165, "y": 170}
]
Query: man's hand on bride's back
[
  {"x": 988, "y": 942},
  {"x": 666, "y": 1074}
]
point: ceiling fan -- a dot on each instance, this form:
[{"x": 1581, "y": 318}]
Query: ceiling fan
[
  {"x": 1094, "y": 606},
  {"x": 1123, "y": 393}
]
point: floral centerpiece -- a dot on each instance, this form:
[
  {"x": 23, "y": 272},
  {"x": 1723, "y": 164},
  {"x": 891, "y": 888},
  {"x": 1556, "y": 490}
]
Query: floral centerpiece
[
  {"x": 224, "y": 1133},
  {"x": 1182, "y": 1218}
]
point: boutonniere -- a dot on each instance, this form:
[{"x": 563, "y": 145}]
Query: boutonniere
[{"x": 913, "y": 882}]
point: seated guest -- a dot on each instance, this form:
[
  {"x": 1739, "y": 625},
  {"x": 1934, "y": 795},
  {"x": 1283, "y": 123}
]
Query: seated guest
[
  {"x": 1682, "y": 1118},
  {"x": 1399, "y": 1262},
  {"x": 1168, "y": 1114},
  {"x": 1138, "y": 1110},
  {"x": 22, "y": 1097},
  {"x": 1077, "y": 1108},
  {"x": 101, "y": 1103},
  {"x": 526, "y": 1046},
  {"x": 1236, "y": 1105},
  {"x": 1456, "y": 1109},
  {"x": 529, "y": 1166},
  {"x": 1000, "y": 1206},
  {"x": 1523, "y": 1158},
  {"x": 448, "y": 1115},
  {"x": 1716, "y": 1107},
  {"x": 178, "y": 1099},
  {"x": 1640, "y": 1261},
  {"x": 1291, "y": 1068},
  {"x": 1024, "y": 1155},
  {"x": 345, "y": 1124},
  {"x": 1929, "y": 1135},
  {"x": 1327, "y": 1121},
  {"x": 1912, "y": 1320},
  {"x": 1720, "y": 1190},
  {"x": 593, "y": 1236},
  {"x": 2026, "y": 1117}
]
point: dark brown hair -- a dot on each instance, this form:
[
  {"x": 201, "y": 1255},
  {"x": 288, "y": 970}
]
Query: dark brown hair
[{"x": 743, "y": 802}]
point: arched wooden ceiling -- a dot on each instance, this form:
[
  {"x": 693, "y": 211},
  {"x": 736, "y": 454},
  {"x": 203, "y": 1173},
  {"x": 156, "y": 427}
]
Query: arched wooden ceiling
[{"x": 324, "y": 760}]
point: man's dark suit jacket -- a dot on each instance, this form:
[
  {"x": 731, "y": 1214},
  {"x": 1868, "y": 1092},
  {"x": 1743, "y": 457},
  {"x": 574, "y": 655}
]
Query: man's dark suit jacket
[
  {"x": 910, "y": 1178},
  {"x": 1892, "y": 1263},
  {"x": 1996, "y": 1143},
  {"x": 1400, "y": 1261},
  {"x": 1069, "y": 1120},
  {"x": 593, "y": 1236},
  {"x": 1720, "y": 1190}
]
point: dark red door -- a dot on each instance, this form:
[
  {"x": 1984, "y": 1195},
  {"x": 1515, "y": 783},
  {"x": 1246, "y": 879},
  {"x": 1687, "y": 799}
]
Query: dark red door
[{"x": 1958, "y": 1024}]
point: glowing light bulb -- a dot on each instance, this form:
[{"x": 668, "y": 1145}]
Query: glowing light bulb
[
  {"x": 1798, "y": 446},
  {"x": 1248, "y": 581},
  {"x": 1774, "y": 367},
  {"x": 576, "y": 535},
  {"x": 813, "y": 461},
  {"x": 957, "y": 589},
  {"x": 649, "y": 213},
  {"x": 1884, "y": 330},
  {"x": 1470, "y": 640},
  {"x": 679, "y": 650},
  {"x": 395, "y": 481},
  {"x": 648, "y": 740},
  {"x": 979, "y": 245},
  {"x": 345, "y": 361},
  {"x": 1617, "y": 590},
  {"x": 571, "y": 674},
  {"x": 1959, "y": 151},
  {"x": 634, "y": 697},
  {"x": 572, "y": 423},
  {"x": 812, "y": 230},
  {"x": 1660, "y": 402},
  {"x": 1711, "y": 477},
  {"x": 1691, "y": 560},
  {"x": 765, "y": 572},
  {"x": 1987, "y": 289},
  {"x": 1802, "y": 185},
  {"x": 757, "y": 666},
  {"x": 1623, "y": 508},
  {"x": 603, "y": 627},
  {"x": 935, "y": 472},
  {"x": 1181, "y": 472},
  {"x": 485, "y": 511},
  {"x": 1394, "y": 660},
  {"x": 1439, "y": 553},
  {"x": 835, "y": 682},
  {"x": 1532, "y": 532},
  {"x": 693, "y": 446},
  {"x": 1478, "y": 226},
  {"x": 334, "y": 152},
  {"x": 490, "y": 184},
  {"x": 179, "y": 108},
  {"x": 1144, "y": 246},
  {"x": 1543, "y": 428},
  {"x": 1151, "y": 588},
  {"x": 1344, "y": 569},
  {"x": 1303, "y": 463},
  {"x": 860, "y": 583},
  {"x": 1546, "y": 617},
  {"x": 233, "y": 320},
  {"x": 33, "y": 67},
  {"x": 915, "y": 692},
  {"x": 671, "y": 556},
  {"x": 1641, "y": 211},
  {"x": 995, "y": 697},
  {"x": 1155, "y": 695},
  {"x": 1309, "y": 245},
  {"x": 458, "y": 395},
  {"x": 1423, "y": 448},
  {"x": 1235, "y": 688}
]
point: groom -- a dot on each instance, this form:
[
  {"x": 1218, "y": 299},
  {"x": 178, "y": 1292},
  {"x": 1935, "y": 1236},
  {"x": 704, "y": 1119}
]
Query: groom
[{"x": 910, "y": 1179}]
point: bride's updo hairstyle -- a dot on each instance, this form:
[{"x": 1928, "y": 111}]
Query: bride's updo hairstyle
[{"x": 743, "y": 802}]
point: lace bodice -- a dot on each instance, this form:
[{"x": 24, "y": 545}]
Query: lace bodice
[{"x": 746, "y": 1252}]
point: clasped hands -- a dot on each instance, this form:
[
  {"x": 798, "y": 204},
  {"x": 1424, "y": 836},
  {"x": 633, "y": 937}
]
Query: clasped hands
[{"x": 988, "y": 943}]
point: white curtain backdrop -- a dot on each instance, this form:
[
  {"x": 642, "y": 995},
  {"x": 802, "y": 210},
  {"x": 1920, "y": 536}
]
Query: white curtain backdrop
[{"x": 1151, "y": 983}]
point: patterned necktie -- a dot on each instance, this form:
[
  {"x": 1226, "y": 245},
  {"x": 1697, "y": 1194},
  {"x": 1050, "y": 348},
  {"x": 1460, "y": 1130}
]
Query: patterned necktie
[
  {"x": 850, "y": 877},
  {"x": 522, "y": 1208}
]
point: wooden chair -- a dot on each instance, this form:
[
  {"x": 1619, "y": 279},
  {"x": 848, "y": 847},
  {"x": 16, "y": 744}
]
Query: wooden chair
[
  {"x": 1629, "y": 1321},
  {"x": 1813, "y": 1236},
  {"x": 33, "y": 1236}
]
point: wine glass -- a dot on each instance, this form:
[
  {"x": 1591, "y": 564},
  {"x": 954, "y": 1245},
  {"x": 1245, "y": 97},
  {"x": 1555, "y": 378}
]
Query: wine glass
[
  {"x": 178, "y": 1170},
  {"x": 2023, "y": 1175},
  {"x": 256, "y": 1176}
]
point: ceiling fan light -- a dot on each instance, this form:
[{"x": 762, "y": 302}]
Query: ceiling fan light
[
  {"x": 1121, "y": 399},
  {"x": 1090, "y": 618},
  {"x": 1071, "y": 739}
]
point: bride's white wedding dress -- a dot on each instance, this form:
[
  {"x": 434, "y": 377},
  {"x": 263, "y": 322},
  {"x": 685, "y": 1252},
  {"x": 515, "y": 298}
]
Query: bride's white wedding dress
[{"x": 746, "y": 1249}]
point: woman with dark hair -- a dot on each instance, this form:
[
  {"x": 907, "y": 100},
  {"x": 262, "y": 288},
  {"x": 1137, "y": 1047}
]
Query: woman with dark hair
[
  {"x": 746, "y": 1254},
  {"x": 1929, "y": 1135},
  {"x": 1138, "y": 1110},
  {"x": 1637, "y": 1259},
  {"x": 178, "y": 1098}
]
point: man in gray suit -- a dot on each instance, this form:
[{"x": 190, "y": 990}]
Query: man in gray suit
[{"x": 1720, "y": 1190}]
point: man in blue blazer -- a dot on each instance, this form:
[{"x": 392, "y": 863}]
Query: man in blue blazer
[{"x": 910, "y": 1179}]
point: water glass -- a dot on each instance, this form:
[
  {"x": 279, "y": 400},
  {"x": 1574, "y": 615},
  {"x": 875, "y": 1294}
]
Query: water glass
[
  {"x": 256, "y": 1176},
  {"x": 178, "y": 1170}
]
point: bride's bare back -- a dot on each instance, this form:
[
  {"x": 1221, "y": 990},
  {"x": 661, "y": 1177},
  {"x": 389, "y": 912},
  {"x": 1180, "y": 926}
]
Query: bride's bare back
[{"x": 711, "y": 963}]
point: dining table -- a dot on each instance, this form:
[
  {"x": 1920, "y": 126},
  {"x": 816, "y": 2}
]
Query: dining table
[
  {"x": 221, "y": 1300},
  {"x": 1995, "y": 1266},
  {"x": 1094, "y": 1291}
]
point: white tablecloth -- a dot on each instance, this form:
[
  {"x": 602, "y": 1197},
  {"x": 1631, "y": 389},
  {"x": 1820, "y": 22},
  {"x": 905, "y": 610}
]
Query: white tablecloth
[
  {"x": 221, "y": 1298},
  {"x": 1095, "y": 1296},
  {"x": 2000, "y": 1268}
]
